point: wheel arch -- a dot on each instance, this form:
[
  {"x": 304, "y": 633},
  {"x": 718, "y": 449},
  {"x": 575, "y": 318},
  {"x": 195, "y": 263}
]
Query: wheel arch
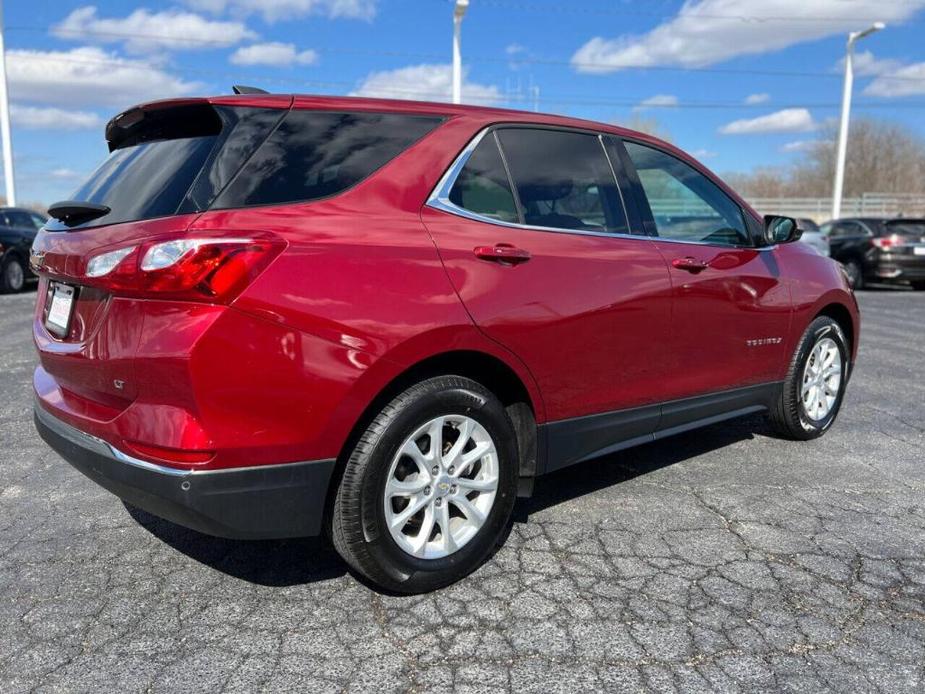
[
  {"x": 843, "y": 316},
  {"x": 487, "y": 369}
]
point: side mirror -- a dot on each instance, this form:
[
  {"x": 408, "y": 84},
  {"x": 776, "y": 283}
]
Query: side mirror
[{"x": 780, "y": 229}]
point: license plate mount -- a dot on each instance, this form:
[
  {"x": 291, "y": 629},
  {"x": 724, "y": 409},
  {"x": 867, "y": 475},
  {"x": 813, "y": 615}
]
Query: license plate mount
[{"x": 60, "y": 310}]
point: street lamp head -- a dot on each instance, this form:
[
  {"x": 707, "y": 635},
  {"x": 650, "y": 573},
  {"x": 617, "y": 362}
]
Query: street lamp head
[
  {"x": 460, "y": 9},
  {"x": 873, "y": 28}
]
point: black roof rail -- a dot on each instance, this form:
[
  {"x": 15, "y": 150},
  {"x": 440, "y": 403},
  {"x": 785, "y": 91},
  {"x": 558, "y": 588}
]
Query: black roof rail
[{"x": 244, "y": 89}]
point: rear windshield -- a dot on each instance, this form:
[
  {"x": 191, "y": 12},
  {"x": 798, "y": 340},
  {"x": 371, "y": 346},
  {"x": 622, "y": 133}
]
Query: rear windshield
[
  {"x": 912, "y": 227},
  {"x": 193, "y": 158}
]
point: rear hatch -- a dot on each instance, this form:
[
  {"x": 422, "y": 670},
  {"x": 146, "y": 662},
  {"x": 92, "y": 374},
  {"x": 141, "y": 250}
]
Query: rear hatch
[
  {"x": 168, "y": 161},
  {"x": 905, "y": 240}
]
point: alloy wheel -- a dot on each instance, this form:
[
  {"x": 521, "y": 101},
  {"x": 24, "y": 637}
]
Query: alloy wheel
[
  {"x": 821, "y": 379},
  {"x": 14, "y": 276},
  {"x": 441, "y": 486}
]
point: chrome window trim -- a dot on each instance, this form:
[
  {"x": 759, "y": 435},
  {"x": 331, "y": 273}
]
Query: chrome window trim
[{"x": 439, "y": 198}]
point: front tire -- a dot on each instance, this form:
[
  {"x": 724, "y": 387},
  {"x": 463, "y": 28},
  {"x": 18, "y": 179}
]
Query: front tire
[
  {"x": 12, "y": 275},
  {"x": 812, "y": 392},
  {"x": 427, "y": 492},
  {"x": 918, "y": 285}
]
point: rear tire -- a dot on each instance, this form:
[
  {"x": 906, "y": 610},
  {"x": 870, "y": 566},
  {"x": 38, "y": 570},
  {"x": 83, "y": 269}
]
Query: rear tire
[
  {"x": 855, "y": 273},
  {"x": 12, "y": 275},
  {"x": 918, "y": 285},
  {"x": 420, "y": 554},
  {"x": 812, "y": 392}
]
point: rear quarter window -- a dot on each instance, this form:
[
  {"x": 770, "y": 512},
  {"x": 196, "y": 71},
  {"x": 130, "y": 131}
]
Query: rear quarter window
[{"x": 316, "y": 154}]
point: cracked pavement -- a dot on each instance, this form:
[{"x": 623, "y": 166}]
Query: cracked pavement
[{"x": 720, "y": 560}]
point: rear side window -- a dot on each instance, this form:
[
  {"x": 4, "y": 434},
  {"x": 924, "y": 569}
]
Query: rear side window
[
  {"x": 482, "y": 186},
  {"x": 685, "y": 204},
  {"x": 315, "y": 154},
  {"x": 20, "y": 218},
  {"x": 563, "y": 180},
  {"x": 848, "y": 229}
]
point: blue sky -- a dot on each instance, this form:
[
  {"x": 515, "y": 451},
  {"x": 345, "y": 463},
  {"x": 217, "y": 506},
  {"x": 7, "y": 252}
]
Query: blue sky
[{"x": 740, "y": 83}]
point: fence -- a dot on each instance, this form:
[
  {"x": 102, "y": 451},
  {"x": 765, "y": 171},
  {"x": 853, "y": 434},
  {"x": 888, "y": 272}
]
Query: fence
[{"x": 868, "y": 205}]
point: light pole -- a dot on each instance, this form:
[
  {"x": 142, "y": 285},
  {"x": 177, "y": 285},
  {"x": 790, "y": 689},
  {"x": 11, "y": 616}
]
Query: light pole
[
  {"x": 458, "y": 13},
  {"x": 5, "y": 135},
  {"x": 853, "y": 38}
]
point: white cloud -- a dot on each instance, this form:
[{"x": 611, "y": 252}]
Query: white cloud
[
  {"x": 276, "y": 10},
  {"x": 753, "y": 99},
  {"x": 895, "y": 80},
  {"x": 89, "y": 76},
  {"x": 705, "y": 32},
  {"x": 702, "y": 153},
  {"x": 657, "y": 101},
  {"x": 866, "y": 64},
  {"x": 273, "y": 53},
  {"x": 51, "y": 118},
  {"x": 790, "y": 120},
  {"x": 144, "y": 31},
  {"x": 66, "y": 174},
  {"x": 805, "y": 145},
  {"x": 425, "y": 82}
]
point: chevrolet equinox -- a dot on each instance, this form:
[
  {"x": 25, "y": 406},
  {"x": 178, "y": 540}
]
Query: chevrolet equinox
[{"x": 269, "y": 316}]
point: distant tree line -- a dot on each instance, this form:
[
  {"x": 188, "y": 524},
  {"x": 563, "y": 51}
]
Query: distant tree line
[{"x": 883, "y": 157}]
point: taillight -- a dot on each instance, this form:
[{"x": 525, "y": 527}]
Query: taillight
[
  {"x": 887, "y": 242},
  {"x": 202, "y": 268}
]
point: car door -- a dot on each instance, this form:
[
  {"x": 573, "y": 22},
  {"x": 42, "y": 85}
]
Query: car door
[
  {"x": 848, "y": 240},
  {"x": 731, "y": 307},
  {"x": 539, "y": 247}
]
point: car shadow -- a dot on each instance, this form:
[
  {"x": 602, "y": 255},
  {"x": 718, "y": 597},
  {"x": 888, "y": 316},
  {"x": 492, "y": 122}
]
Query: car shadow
[
  {"x": 586, "y": 478},
  {"x": 281, "y": 563},
  {"x": 276, "y": 563}
]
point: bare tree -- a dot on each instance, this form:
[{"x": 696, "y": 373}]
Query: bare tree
[{"x": 883, "y": 157}]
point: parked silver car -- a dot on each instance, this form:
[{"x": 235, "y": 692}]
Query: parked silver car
[{"x": 813, "y": 236}]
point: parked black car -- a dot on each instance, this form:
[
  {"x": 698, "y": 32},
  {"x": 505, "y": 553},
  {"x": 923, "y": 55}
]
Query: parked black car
[
  {"x": 18, "y": 227},
  {"x": 879, "y": 249}
]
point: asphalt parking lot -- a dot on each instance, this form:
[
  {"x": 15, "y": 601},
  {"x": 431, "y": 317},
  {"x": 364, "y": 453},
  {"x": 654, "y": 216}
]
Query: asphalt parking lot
[{"x": 724, "y": 559}]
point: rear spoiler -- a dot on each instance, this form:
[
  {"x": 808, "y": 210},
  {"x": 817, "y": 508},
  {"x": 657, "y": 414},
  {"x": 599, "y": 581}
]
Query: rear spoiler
[
  {"x": 162, "y": 120},
  {"x": 126, "y": 124}
]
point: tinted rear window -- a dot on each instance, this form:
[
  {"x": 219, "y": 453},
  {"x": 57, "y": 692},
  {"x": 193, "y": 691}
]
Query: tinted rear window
[
  {"x": 483, "y": 187},
  {"x": 189, "y": 159},
  {"x": 316, "y": 154},
  {"x": 146, "y": 180},
  {"x": 157, "y": 158},
  {"x": 906, "y": 228},
  {"x": 563, "y": 180}
]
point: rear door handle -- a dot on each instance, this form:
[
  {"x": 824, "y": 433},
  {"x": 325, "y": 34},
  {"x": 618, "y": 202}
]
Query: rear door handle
[
  {"x": 690, "y": 264},
  {"x": 502, "y": 253}
]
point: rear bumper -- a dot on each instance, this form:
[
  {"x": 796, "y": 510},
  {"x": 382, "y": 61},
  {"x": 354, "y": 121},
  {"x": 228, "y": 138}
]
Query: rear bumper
[
  {"x": 900, "y": 268},
  {"x": 259, "y": 502}
]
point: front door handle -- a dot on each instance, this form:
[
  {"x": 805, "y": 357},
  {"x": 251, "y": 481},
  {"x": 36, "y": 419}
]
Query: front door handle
[
  {"x": 502, "y": 253},
  {"x": 690, "y": 264}
]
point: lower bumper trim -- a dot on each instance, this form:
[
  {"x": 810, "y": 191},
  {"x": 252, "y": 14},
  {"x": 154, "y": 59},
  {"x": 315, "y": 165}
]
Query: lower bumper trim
[{"x": 259, "y": 502}]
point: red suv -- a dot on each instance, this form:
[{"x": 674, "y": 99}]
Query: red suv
[{"x": 265, "y": 316}]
